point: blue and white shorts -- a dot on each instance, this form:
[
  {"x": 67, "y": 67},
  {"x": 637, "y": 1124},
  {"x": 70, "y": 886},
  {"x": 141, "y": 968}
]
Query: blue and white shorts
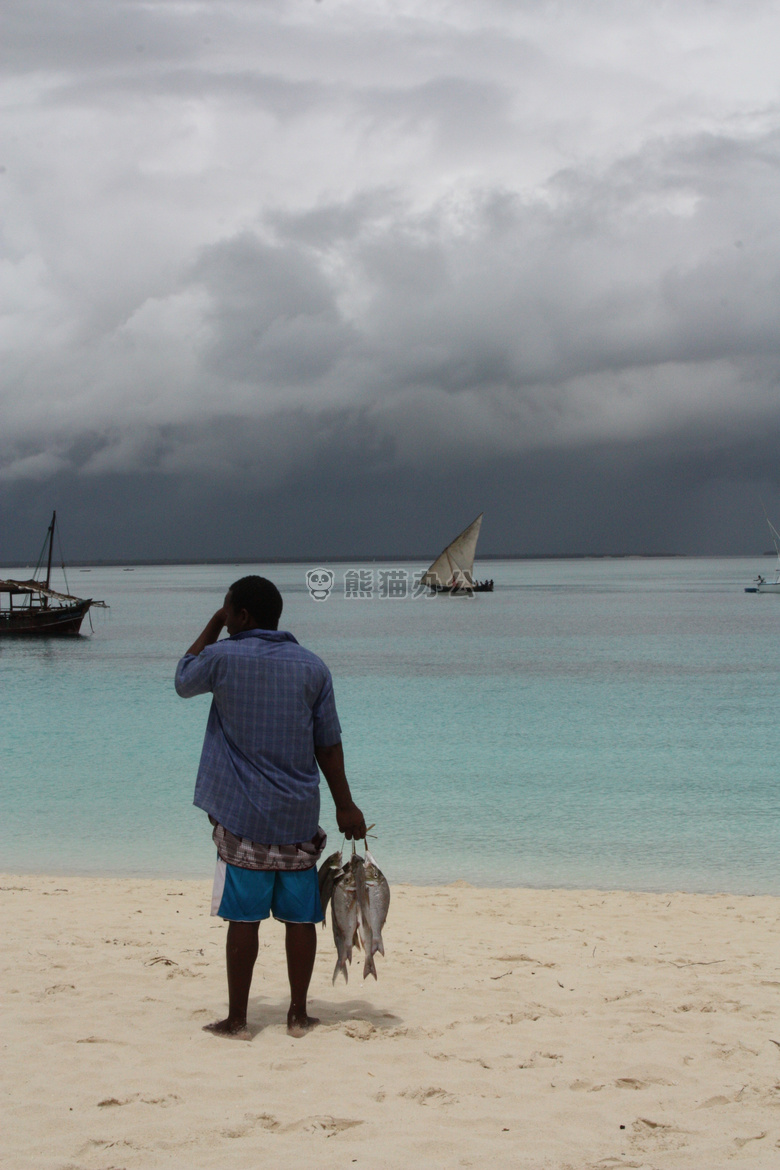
[{"x": 251, "y": 895}]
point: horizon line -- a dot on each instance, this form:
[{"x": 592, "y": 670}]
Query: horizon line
[{"x": 135, "y": 562}]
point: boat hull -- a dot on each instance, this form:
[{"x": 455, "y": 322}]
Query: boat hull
[
  {"x": 463, "y": 590},
  {"x": 63, "y": 621}
]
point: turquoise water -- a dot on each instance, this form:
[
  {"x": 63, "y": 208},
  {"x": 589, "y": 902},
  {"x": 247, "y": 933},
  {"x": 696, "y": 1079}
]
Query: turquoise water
[{"x": 599, "y": 723}]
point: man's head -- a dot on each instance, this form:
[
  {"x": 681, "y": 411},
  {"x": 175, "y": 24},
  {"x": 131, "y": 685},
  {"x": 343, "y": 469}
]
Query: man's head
[{"x": 252, "y": 603}]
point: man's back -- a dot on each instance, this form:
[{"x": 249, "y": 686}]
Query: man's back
[{"x": 273, "y": 704}]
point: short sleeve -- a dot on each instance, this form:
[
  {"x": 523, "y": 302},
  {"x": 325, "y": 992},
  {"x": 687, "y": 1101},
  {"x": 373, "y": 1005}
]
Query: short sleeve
[
  {"x": 194, "y": 674},
  {"x": 327, "y": 729}
]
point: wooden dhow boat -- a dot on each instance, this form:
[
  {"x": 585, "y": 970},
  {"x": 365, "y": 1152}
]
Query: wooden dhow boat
[
  {"x": 453, "y": 569},
  {"x": 33, "y": 607}
]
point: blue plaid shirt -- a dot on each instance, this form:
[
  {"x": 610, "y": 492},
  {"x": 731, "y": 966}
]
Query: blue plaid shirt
[{"x": 273, "y": 702}]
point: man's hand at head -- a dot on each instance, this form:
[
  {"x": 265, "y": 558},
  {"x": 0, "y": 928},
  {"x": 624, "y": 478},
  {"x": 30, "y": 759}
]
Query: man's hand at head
[{"x": 210, "y": 633}]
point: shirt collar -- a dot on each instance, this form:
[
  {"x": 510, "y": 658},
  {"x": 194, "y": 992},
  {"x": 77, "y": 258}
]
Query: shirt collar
[{"x": 266, "y": 635}]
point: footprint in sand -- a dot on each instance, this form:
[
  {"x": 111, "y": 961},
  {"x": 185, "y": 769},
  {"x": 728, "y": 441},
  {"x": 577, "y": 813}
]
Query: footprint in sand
[
  {"x": 266, "y": 1121},
  {"x": 615, "y": 1163},
  {"x": 534, "y": 1059},
  {"x": 323, "y": 1124},
  {"x": 236, "y": 1131},
  {"x": 756, "y": 1137},
  {"x": 100, "y": 1040},
  {"x": 429, "y": 1096},
  {"x": 358, "y": 1029},
  {"x": 642, "y": 1082},
  {"x": 164, "y": 1102},
  {"x": 522, "y": 958},
  {"x": 104, "y": 1144}
]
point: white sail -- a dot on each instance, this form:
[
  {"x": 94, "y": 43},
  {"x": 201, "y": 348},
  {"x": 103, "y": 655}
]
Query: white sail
[
  {"x": 455, "y": 566},
  {"x": 775, "y": 538}
]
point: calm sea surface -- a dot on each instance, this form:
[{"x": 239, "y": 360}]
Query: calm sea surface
[{"x": 599, "y": 723}]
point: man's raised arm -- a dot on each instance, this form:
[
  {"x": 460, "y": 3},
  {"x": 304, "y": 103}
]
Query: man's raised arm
[
  {"x": 209, "y": 633},
  {"x": 349, "y": 818},
  {"x": 193, "y": 674}
]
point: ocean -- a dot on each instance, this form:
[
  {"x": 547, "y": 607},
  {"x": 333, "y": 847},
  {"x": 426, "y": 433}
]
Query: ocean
[{"x": 599, "y": 723}]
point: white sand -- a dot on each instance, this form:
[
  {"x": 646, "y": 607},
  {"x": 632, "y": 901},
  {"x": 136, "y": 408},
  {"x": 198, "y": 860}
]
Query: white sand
[{"x": 509, "y": 1028}]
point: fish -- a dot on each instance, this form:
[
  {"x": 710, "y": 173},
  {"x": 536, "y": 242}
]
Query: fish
[
  {"x": 344, "y": 920},
  {"x": 330, "y": 872},
  {"x": 358, "y": 870},
  {"x": 374, "y": 900}
]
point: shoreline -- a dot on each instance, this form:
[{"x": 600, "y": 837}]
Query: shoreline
[
  {"x": 532, "y": 1028},
  {"x": 120, "y": 875}
]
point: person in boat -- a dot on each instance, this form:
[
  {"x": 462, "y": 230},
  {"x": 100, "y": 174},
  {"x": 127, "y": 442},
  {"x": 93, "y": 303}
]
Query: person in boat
[{"x": 273, "y": 720}]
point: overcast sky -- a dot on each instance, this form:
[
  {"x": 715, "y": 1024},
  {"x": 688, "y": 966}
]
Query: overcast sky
[{"x": 283, "y": 277}]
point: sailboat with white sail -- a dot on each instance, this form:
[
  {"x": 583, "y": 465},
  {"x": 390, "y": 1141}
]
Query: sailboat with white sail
[
  {"x": 761, "y": 585},
  {"x": 453, "y": 569}
]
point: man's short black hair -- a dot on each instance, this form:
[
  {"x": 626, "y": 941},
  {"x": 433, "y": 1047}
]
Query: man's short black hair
[{"x": 260, "y": 598}]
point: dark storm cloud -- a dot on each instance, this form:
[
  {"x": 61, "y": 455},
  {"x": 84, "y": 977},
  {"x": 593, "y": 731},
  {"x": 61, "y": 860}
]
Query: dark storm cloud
[
  {"x": 462, "y": 115},
  {"x": 602, "y": 311},
  {"x": 64, "y": 36},
  {"x": 616, "y": 499},
  {"x": 274, "y": 314},
  {"x": 244, "y": 240}
]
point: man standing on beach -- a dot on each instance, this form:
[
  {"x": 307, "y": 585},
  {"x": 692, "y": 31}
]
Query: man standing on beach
[{"x": 272, "y": 721}]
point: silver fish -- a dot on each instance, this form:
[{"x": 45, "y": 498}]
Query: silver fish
[
  {"x": 358, "y": 870},
  {"x": 330, "y": 872},
  {"x": 374, "y": 901},
  {"x": 344, "y": 919}
]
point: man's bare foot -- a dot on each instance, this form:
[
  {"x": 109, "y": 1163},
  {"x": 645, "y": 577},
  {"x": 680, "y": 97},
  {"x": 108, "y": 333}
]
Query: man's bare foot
[
  {"x": 235, "y": 1029},
  {"x": 299, "y": 1024}
]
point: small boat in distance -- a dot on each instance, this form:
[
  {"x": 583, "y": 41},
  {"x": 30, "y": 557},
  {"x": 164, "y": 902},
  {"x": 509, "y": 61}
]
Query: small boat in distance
[
  {"x": 34, "y": 608},
  {"x": 453, "y": 569},
  {"x": 761, "y": 585}
]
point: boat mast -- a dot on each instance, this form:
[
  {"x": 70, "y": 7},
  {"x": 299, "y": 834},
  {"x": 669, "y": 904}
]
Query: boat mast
[{"x": 51, "y": 547}]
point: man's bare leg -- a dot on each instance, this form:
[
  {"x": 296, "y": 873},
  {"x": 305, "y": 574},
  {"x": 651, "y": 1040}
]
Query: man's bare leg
[
  {"x": 301, "y": 946},
  {"x": 240, "y": 953}
]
